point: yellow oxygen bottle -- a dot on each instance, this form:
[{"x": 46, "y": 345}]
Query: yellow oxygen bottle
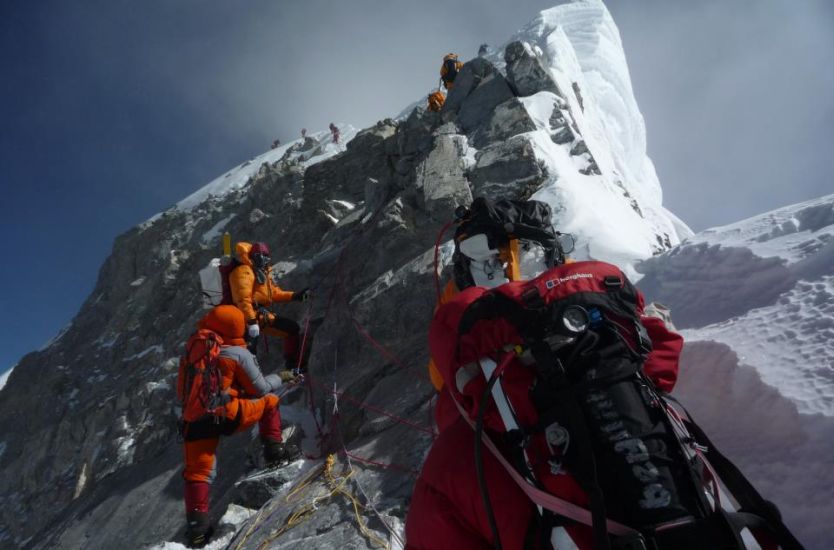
[{"x": 227, "y": 249}]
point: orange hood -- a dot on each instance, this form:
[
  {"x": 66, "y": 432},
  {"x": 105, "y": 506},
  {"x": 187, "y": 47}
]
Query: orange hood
[
  {"x": 228, "y": 322},
  {"x": 242, "y": 250}
]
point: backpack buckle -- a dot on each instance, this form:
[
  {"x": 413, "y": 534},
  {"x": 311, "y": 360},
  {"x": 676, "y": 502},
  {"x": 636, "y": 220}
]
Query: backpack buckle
[
  {"x": 612, "y": 282},
  {"x": 644, "y": 343},
  {"x": 531, "y": 298}
]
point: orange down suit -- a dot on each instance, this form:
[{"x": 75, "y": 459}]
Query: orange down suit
[
  {"x": 250, "y": 404},
  {"x": 247, "y": 293},
  {"x": 251, "y": 400}
]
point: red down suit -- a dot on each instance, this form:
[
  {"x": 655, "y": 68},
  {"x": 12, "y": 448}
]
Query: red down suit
[{"x": 447, "y": 510}]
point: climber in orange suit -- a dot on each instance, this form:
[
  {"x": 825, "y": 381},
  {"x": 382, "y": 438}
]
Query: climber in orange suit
[
  {"x": 253, "y": 290},
  {"x": 249, "y": 399}
]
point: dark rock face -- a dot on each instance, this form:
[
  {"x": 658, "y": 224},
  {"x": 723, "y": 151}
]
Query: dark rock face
[
  {"x": 473, "y": 73},
  {"x": 509, "y": 166},
  {"x": 91, "y": 457},
  {"x": 441, "y": 177},
  {"x": 526, "y": 73},
  {"x": 508, "y": 119},
  {"x": 491, "y": 91}
]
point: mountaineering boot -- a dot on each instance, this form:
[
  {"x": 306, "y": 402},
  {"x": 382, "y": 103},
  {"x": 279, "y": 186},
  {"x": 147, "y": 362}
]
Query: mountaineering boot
[
  {"x": 277, "y": 453},
  {"x": 198, "y": 530}
]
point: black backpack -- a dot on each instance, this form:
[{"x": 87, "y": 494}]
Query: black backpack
[
  {"x": 639, "y": 456},
  {"x": 451, "y": 70}
]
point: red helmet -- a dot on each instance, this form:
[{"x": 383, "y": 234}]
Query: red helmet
[
  {"x": 259, "y": 254},
  {"x": 259, "y": 248}
]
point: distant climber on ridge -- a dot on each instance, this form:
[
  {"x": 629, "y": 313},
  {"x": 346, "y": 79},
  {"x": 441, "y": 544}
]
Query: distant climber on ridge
[
  {"x": 334, "y": 133},
  {"x": 449, "y": 70},
  {"x": 435, "y": 101},
  {"x": 222, "y": 391},
  {"x": 253, "y": 291}
]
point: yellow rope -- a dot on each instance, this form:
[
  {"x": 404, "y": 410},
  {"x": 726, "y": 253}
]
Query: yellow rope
[
  {"x": 301, "y": 485},
  {"x": 251, "y": 528},
  {"x": 336, "y": 486},
  {"x": 356, "y": 507}
]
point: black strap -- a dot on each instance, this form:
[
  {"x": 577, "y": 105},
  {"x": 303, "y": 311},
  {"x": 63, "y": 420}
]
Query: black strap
[
  {"x": 580, "y": 456},
  {"x": 750, "y": 500}
]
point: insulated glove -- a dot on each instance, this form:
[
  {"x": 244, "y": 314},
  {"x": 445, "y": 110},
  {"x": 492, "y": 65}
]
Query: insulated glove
[
  {"x": 301, "y": 295},
  {"x": 287, "y": 375},
  {"x": 254, "y": 330}
]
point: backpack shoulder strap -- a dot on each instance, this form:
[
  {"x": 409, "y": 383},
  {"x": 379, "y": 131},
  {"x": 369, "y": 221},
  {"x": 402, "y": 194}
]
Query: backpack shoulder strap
[
  {"x": 749, "y": 499},
  {"x": 541, "y": 498}
]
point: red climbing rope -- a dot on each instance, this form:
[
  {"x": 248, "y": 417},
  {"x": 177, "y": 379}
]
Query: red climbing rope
[
  {"x": 385, "y": 465},
  {"x": 367, "y": 406},
  {"x": 436, "y": 272},
  {"x": 339, "y": 287}
]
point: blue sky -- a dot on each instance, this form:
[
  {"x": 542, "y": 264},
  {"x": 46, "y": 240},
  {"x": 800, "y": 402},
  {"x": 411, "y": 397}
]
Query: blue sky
[{"x": 114, "y": 109}]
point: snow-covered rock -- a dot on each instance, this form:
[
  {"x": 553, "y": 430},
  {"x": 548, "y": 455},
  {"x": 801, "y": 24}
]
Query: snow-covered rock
[
  {"x": 579, "y": 48},
  {"x": 306, "y": 151}
]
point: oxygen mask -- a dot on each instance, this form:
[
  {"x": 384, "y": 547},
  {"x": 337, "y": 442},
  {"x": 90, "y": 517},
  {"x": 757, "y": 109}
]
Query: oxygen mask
[{"x": 260, "y": 260}]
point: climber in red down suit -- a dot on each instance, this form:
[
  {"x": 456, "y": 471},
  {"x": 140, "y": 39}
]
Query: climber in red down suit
[{"x": 447, "y": 510}]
